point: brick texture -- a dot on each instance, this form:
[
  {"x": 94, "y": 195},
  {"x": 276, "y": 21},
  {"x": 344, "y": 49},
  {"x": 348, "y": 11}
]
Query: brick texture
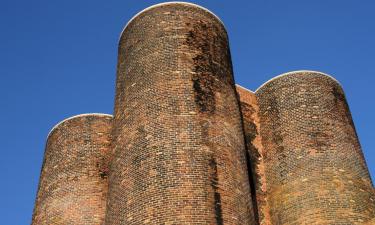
[
  {"x": 255, "y": 151},
  {"x": 185, "y": 146},
  {"x": 314, "y": 167},
  {"x": 179, "y": 154},
  {"x": 73, "y": 182}
]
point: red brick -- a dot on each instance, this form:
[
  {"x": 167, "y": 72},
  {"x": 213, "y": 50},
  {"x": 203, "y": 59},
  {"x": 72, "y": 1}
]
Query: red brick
[
  {"x": 179, "y": 154},
  {"x": 73, "y": 182}
]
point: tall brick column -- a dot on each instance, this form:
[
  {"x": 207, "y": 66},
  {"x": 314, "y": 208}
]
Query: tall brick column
[
  {"x": 315, "y": 170},
  {"x": 179, "y": 153},
  {"x": 73, "y": 181}
]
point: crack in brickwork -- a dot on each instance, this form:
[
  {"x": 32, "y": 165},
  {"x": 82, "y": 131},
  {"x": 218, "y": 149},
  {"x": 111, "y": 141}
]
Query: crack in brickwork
[{"x": 249, "y": 108}]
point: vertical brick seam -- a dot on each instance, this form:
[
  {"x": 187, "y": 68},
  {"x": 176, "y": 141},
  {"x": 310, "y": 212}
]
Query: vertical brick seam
[
  {"x": 254, "y": 147},
  {"x": 179, "y": 155},
  {"x": 315, "y": 169},
  {"x": 73, "y": 181}
]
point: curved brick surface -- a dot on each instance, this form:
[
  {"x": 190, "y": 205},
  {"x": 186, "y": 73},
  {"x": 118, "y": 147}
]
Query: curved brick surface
[
  {"x": 315, "y": 170},
  {"x": 251, "y": 123},
  {"x": 73, "y": 181},
  {"x": 179, "y": 153}
]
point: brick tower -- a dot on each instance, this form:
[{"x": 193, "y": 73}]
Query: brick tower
[
  {"x": 73, "y": 181},
  {"x": 185, "y": 146},
  {"x": 178, "y": 143},
  {"x": 310, "y": 156}
]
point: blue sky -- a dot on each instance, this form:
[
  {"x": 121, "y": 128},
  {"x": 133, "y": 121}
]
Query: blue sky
[{"x": 58, "y": 59}]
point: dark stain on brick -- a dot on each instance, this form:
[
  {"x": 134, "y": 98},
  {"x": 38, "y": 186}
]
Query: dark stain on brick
[
  {"x": 252, "y": 155},
  {"x": 204, "y": 95},
  {"x": 250, "y": 131},
  {"x": 103, "y": 170},
  {"x": 203, "y": 69},
  {"x": 343, "y": 106},
  {"x": 217, "y": 197},
  {"x": 207, "y": 67},
  {"x": 103, "y": 174},
  {"x": 254, "y": 179}
]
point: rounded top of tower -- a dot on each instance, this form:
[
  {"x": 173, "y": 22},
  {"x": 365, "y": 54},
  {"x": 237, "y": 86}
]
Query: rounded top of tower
[
  {"x": 78, "y": 116},
  {"x": 165, "y": 4},
  {"x": 297, "y": 73}
]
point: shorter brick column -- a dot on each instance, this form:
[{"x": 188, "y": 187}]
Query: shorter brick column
[
  {"x": 315, "y": 169},
  {"x": 73, "y": 180}
]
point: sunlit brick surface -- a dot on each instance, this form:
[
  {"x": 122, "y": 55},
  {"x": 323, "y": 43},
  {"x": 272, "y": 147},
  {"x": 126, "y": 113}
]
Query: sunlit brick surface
[
  {"x": 315, "y": 170},
  {"x": 73, "y": 183},
  {"x": 179, "y": 154},
  {"x": 186, "y": 146}
]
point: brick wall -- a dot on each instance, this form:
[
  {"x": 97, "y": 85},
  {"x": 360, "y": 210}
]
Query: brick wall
[
  {"x": 73, "y": 182},
  {"x": 255, "y": 151},
  {"x": 315, "y": 170},
  {"x": 179, "y": 155}
]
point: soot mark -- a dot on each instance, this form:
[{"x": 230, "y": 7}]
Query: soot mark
[
  {"x": 207, "y": 63},
  {"x": 103, "y": 169},
  {"x": 204, "y": 94},
  {"x": 217, "y": 196},
  {"x": 342, "y": 105},
  {"x": 252, "y": 183},
  {"x": 252, "y": 155},
  {"x": 103, "y": 174},
  {"x": 250, "y": 135}
]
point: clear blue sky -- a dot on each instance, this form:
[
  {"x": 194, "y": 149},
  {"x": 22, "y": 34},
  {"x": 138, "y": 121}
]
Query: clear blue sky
[{"x": 58, "y": 59}]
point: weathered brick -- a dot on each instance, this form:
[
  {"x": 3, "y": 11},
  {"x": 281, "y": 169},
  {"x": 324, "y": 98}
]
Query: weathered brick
[
  {"x": 251, "y": 122},
  {"x": 184, "y": 147},
  {"x": 73, "y": 181},
  {"x": 314, "y": 167},
  {"x": 179, "y": 155}
]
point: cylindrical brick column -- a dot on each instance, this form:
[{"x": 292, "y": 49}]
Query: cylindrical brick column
[
  {"x": 73, "y": 182},
  {"x": 179, "y": 153},
  {"x": 315, "y": 170}
]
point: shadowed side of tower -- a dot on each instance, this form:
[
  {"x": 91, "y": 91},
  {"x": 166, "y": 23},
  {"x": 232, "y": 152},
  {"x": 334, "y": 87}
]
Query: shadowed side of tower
[
  {"x": 315, "y": 170},
  {"x": 179, "y": 155},
  {"x": 73, "y": 181}
]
